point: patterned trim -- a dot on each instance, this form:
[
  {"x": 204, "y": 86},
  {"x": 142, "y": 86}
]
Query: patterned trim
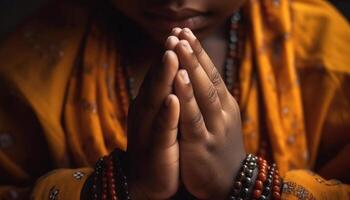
[
  {"x": 53, "y": 195},
  {"x": 296, "y": 190}
]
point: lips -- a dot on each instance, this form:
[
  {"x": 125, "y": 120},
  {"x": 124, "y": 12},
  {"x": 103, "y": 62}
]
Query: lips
[{"x": 167, "y": 19}]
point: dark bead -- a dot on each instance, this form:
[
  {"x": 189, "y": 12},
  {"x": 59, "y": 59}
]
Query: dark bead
[
  {"x": 269, "y": 181},
  {"x": 241, "y": 176},
  {"x": 245, "y": 192},
  {"x": 267, "y": 191},
  {"x": 263, "y": 197},
  {"x": 236, "y": 192},
  {"x": 247, "y": 181}
]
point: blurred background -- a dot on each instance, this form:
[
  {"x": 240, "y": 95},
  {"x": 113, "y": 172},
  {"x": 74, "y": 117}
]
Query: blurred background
[{"x": 13, "y": 11}]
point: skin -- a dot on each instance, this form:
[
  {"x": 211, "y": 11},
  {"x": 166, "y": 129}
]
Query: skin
[{"x": 184, "y": 119}]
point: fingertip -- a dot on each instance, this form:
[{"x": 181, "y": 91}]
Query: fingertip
[
  {"x": 171, "y": 42},
  {"x": 176, "y": 31},
  {"x": 170, "y": 59},
  {"x": 187, "y": 34},
  {"x": 185, "y": 44}
]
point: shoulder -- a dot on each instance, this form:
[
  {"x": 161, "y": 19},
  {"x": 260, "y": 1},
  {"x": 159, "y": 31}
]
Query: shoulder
[
  {"x": 43, "y": 39},
  {"x": 321, "y": 35}
]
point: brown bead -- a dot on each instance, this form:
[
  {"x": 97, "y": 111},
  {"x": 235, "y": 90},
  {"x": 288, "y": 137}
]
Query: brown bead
[
  {"x": 276, "y": 196},
  {"x": 276, "y": 182},
  {"x": 262, "y": 177},
  {"x": 233, "y": 54},
  {"x": 109, "y": 174},
  {"x": 259, "y": 185},
  {"x": 263, "y": 169},
  {"x": 234, "y": 26},
  {"x": 238, "y": 185},
  {"x": 276, "y": 189},
  {"x": 256, "y": 194}
]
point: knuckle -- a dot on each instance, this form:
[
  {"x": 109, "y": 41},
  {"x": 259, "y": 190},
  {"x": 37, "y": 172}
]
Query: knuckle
[
  {"x": 162, "y": 124},
  {"x": 197, "y": 47},
  {"x": 212, "y": 94},
  {"x": 196, "y": 120},
  {"x": 215, "y": 76},
  {"x": 188, "y": 97}
]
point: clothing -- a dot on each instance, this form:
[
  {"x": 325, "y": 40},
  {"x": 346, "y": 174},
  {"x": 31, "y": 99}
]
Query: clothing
[{"x": 61, "y": 91}]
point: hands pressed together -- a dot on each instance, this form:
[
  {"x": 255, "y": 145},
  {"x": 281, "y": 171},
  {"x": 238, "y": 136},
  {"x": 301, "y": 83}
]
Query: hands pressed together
[{"x": 184, "y": 127}]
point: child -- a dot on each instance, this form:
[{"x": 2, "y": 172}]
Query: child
[{"x": 210, "y": 81}]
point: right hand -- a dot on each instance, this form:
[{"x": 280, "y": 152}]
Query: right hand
[{"x": 153, "y": 149}]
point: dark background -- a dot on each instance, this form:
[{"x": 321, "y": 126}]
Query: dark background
[{"x": 13, "y": 11}]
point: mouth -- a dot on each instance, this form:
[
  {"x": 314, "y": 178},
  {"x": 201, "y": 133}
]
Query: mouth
[{"x": 167, "y": 19}]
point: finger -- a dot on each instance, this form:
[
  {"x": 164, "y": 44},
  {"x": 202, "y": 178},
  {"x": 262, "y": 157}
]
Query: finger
[
  {"x": 204, "y": 91},
  {"x": 192, "y": 125},
  {"x": 171, "y": 42},
  {"x": 208, "y": 66},
  {"x": 176, "y": 31},
  {"x": 155, "y": 88},
  {"x": 166, "y": 123}
]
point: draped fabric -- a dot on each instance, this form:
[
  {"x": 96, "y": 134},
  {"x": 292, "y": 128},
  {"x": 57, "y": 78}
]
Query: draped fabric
[{"x": 67, "y": 72}]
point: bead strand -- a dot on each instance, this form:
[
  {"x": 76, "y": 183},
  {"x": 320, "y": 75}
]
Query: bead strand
[{"x": 244, "y": 179}]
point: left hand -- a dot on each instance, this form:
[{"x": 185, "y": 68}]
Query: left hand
[{"x": 211, "y": 144}]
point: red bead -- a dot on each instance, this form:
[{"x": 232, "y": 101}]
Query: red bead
[
  {"x": 262, "y": 177},
  {"x": 256, "y": 194},
  {"x": 276, "y": 196},
  {"x": 259, "y": 185},
  {"x": 276, "y": 189},
  {"x": 234, "y": 26},
  {"x": 263, "y": 169},
  {"x": 277, "y": 182},
  {"x": 233, "y": 54},
  {"x": 109, "y": 174}
]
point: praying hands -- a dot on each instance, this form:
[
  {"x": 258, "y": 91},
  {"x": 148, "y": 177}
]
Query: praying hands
[{"x": 184, "y": 126}]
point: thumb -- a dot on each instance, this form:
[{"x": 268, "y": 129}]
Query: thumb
[{"x": 166, "y": 123}]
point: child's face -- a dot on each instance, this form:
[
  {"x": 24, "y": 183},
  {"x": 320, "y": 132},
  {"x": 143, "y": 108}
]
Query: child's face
[{"x": 158, "y": 17}]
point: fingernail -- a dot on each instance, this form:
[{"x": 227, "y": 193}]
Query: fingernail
[
  {"x": 168, "y": 101},
  {"x": 176, "y": 31},
  {"x": 189, "y": 32},
  {"x": 185, "y": 77},
  {"x": 171, "y": 42}
]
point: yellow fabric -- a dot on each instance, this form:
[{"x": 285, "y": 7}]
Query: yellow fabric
[{"x": 64, "y": 72}]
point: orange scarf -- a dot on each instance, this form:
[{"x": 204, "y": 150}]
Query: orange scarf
[{"x": 94, "y": 114}]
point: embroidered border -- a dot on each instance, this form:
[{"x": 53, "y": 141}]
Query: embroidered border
[{"x": 297, "y": 190}]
